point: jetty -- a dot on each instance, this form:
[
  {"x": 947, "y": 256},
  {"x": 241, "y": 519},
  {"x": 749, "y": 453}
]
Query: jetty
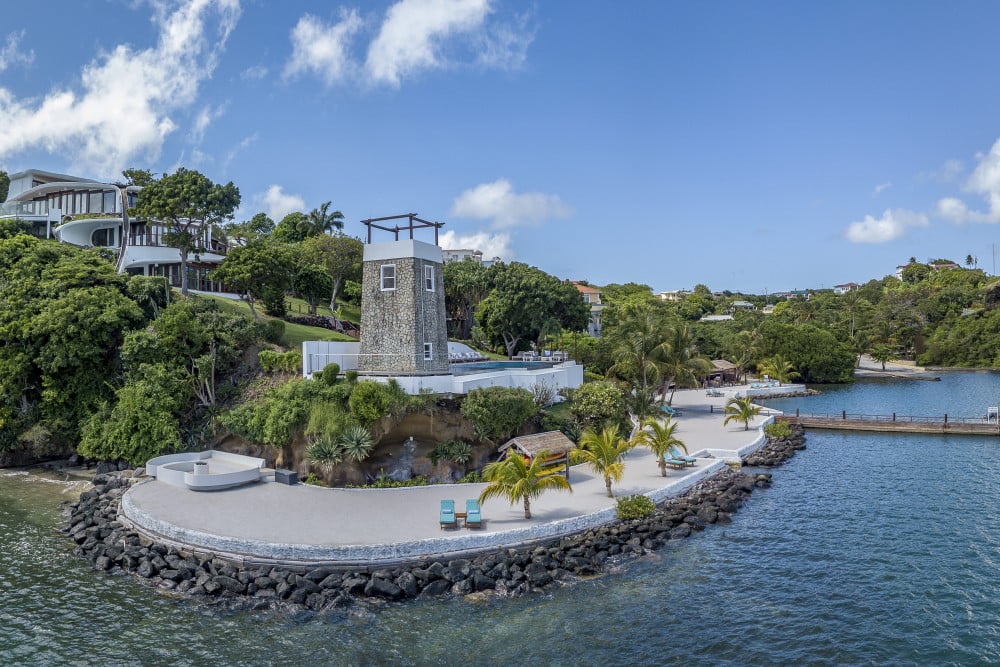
[{"x": 893, "y": 423}]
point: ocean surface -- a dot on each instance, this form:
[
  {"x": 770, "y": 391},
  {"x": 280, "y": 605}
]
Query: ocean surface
[{"x": 868, "y": 550}]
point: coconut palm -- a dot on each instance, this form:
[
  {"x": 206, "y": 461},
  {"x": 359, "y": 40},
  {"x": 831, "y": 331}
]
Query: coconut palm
[
  {"x": 780, "y": 368},
  {"x": 679, "y": 361},
  {"x": 741, "y": 410},
  {"x": 634, "y": 343},
  {"x": 603, "y": 452},
  {"x": 515, "y": 479},
  {"x": 659, "y": 437},
  {"x": 319, "y": 221}
]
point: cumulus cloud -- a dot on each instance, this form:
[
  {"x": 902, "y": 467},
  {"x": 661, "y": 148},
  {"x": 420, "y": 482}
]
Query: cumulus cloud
[
  {"x": 120, "y": 110},
  {"x": 13, "y": 54},
  {"x": 984, "y": 181},
  {"x": 498, "y": 203},
  {"x": 323, "y": 49},
  {"x": 491, "y": 245},
  {"x": 892, "y": 225},
  {"x": 413, "y": 36},
  {"x": 413, "y": 33},
  {"x": 880, "y": 188},
  {"x": 277, "y": 203}
]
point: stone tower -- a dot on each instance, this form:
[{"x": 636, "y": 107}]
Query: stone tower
[{"x": 403, "y": 325}]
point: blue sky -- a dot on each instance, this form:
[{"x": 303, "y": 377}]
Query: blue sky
[{"x": 761, "y": 146}]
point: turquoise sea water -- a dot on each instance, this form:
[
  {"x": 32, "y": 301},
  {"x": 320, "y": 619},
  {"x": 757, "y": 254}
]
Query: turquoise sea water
[{"x": 868, "y": 550}]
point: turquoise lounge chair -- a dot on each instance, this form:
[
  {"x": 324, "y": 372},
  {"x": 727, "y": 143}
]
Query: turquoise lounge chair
[
  {"x": 689, "y": 460},
  {"x": 676, "y": 464},
  {"x": 448, "y": 519},
  {"x": 670, "y": 410},
  {"x": 473, "y": 514}
]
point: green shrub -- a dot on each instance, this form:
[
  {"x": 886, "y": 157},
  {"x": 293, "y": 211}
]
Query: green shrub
[
  {"x": 370, "y": 401},
  {"x": 313, "y": 480},
  {"x": 778, "y": 430},
  {"x": 497, "y": 412},
  {"x": 453, "y": 450},
  {"x": 592, "y": 377},
  {"x": 474, "y": 477},
  {"x": 273, "y": 418},
  {"x": 351, "y": 376},
  {"x": 274, "y": 331},
  {"x": 356, "y": 442},
  {"x": 329, "y": 373},
  {"x": 383, "y": 482},
  {"x": 596, "y": 403},
  {"x": 283, "y": 362},
  {"x": 634, "y": 507}
]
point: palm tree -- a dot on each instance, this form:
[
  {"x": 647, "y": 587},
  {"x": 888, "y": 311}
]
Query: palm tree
[
  {"x": 514, "y": 479},
  {"x": 634, "y": 343},
  {"x": 641, "y": 402},
  {"x": 679, "y": 360},
  {"x": 741, "y": 410},
  {"x": 882, "y": 353},
  {"x": 604, "y": 452},
  {"x": 659, "y": 437},
  {"x": 779, "y": 368},
  {"x": 320, "y": 222}
]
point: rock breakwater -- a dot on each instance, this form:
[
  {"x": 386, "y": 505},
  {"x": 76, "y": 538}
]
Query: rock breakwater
[{"x": 92, "y": 523}]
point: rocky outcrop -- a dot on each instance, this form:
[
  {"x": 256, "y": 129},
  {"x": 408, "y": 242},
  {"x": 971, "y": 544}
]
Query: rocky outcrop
[
  {"x": 92, "y": 523},
  {"x": 778, "y": 450}
]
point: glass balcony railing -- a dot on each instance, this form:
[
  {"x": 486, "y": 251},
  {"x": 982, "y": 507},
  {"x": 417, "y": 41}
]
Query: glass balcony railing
[{"x": 26, "y": 209}]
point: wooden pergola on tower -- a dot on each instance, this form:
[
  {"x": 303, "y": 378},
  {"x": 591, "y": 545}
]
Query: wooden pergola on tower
[
  {"x": 414, "y": 223},
  {"x": 555, "y": 444}
]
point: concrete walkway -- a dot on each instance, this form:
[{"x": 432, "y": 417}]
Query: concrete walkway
[{"x": 371, "y": 526}]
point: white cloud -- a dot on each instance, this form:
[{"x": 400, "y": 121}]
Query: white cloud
[
  {"x": 880, "y": 188},
  {"x": 121, "y": 110},
  {"x": 984, "y": 181},
  {"x": 412, "y": 34},
  {"x": 322, "y": 49},
  {"x": 498, "y": 203},
  {"x": 277, "y": 203},
  {"x": 13, "y": 54},
  {"x": 946, "y": 173},
  {"x": 892, "y": 225},
  {"x": 491, "y": 245},
  {"x": 254, "y": 73},
  {"x": 237, "y": 149},
  {"x": 204, "y": 118}
]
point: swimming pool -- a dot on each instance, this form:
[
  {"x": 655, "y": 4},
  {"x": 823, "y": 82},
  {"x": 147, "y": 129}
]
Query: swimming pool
[{"x": 487, "y": 366}]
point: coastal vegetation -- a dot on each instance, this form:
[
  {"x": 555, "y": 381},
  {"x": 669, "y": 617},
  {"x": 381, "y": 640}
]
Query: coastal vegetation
[
  {"x": 659, "y": 436},
  {"x": 520, "y": 480},
  {"x": 604, "y": 452}
]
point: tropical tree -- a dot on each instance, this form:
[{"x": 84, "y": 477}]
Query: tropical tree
[
  {"x": 290, "y": 228},
  {"x": 523, "y": 298},
  {"x": 312, "y": 284},
  {"x": 636, "y": 341},
  {"x": 515, "y": 479},
  {"x": 741, "y": 410},
  {"x": 497, "y": 412},
  {"x": 466, "y": 284},
  {"x": 340, "y": 255},
  {"x": 321, "y": 221},
  {"x": 604, "y": 453},
  {"x": 659, "y": 437},
  {"x": 189, "y": 203},
  {"x": 779, "y": 368},
  {"x": 261, "y": 270},
  {"x": 882, "y": 354},
  {"x": 255, "y": 228},
  {"x": 679, "y": 360}
]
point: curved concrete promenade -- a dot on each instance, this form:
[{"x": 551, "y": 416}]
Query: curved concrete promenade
[{"x": 304, "y": 524}]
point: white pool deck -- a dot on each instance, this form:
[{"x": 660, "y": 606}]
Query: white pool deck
[{"x": 368, "y": 527}]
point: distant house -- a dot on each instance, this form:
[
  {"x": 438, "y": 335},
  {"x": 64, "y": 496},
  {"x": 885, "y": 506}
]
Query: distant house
[
  {"x": 461, "y": 254},
  {"x": 716, "y": 318},
  {"x": 768, "y": 309},
  {"x": 845, "y": 288},
  {"x": 741, "y": 305},
  {"x": 591, "y": 296},
  {"x": 799, "y": 294},
  {"x": 673, "y": 295},
  {"x": 944, "y": 265}
]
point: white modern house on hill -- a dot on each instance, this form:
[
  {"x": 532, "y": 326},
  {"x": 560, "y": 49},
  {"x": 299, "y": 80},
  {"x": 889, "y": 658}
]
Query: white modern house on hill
[{"x": 92, "y": 214}]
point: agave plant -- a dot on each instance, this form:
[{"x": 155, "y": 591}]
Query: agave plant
[
  {"x": 325, "y": 452},
  {"x": 357, "y": 442}
]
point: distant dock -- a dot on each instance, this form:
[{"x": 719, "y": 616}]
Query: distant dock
[{"x": 845, "y": 421}]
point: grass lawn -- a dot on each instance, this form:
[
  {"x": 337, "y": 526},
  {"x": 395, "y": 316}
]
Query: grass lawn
[
  {"x": 347, "y": 311},
  {"x": 560, "y": 411},
  {"x": 295, "y": 334}
]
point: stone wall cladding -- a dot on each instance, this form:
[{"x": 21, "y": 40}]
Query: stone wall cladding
[{"x": 395, "y": 324}]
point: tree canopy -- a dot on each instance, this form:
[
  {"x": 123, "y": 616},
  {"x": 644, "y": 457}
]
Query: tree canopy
[{"x": 187, "y": 202}]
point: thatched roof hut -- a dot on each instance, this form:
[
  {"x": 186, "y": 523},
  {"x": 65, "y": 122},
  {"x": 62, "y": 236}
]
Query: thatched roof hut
[
  {"x": 723, "y": 371},
  {"x": 556, "y": 445}
]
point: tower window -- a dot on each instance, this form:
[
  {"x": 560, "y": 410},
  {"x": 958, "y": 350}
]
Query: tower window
[
  {"x": 429, "y": 278},
  {"x": 388, "y": 274},
  {"x": 428, "y": 351}
]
